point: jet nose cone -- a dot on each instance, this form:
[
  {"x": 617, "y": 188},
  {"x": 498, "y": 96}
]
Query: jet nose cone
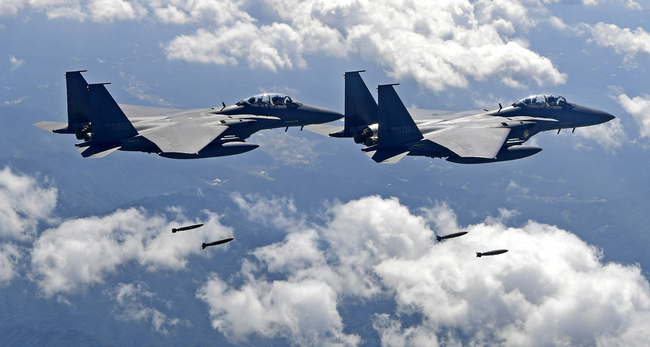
[
  {"x": 321, "y": 115},
  {"x": 332, "y": 116},
  {"x": 594, "y": 116},
  {"x": 603, "y": 117}
]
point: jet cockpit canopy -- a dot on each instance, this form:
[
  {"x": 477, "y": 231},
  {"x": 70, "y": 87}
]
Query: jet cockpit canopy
[
  {"x": 269, "y": 100},
  {"x": 542, "y": 100}
]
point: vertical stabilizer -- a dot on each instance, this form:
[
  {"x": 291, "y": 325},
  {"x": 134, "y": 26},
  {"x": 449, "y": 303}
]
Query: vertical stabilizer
[
  {"x": 396, "y": 125},
  {"x": 360, "y": 106},
  {"x": 78, "y": 105},
  {"x": 107, "y": 119}
]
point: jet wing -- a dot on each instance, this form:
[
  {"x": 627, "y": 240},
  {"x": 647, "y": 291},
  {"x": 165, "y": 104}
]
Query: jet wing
[
  {"x": 184, "y": 138},
  {"x": 135, "y": 111},
  {"x": 471, "y": 142}
]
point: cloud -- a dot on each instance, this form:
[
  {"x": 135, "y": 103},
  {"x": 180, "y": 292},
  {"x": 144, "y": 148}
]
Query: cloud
[
  {"x": 623, "y": 41},
  {"x": 272, "y": 47},
  {"x": 440, "y": 45},
  {"x": 303, "y": 312},
  {"x": 279, "y": 212},
  {"x": 130, "y": 307},
  {"x": 610, "y": 135},
  {"x": 285, "y": 148},
  {"x": 207, "y": 11},
  {"x": 23, "y": 203},
  {"x": 9, "y": 257},
  {"x": 638, "y": 107},
  {"x": 15, "y": 63},
  {"x": 82, "y": 252},
  {"x": 515, "y": 188},
  {"x": 111, "y": 10},
  {"x": 551, "y": 288},
  {"x": 11, "y": 7},
  {"x": 631, "y": 4},
  {"x": 573, "y": 2}
]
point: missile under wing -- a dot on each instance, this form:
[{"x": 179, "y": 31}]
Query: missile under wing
[
  {"x": 389, "y": 131},
  {"x": 103, "y": 126}
]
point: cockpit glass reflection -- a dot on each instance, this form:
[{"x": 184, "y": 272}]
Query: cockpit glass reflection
[
  {"x": 269, "y": 100},
  {"x": 542, "y": 100}
]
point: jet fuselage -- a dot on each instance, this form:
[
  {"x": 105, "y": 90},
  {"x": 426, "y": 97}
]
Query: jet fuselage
[
  {"x": 104, "y": 126},
  {"x": 390, "y": 131}
]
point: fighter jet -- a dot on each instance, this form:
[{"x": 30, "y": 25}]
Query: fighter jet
[
  {"x": 104, "y": 126},
  {"x": 390, "y": 131}
]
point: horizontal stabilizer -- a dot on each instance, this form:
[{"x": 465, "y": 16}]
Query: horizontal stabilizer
[
  {"x": 98, "y": 151},
  {"x": 53, "y": 126},
  {"x": 324, "y": 129},
  {"x": 471, "y": 142},
  {"x": 184, "y": 138},
  {"x": 388, "y": 155}
]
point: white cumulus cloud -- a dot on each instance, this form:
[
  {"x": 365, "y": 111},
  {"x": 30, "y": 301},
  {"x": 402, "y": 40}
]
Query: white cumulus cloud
[
  {"x": 82, "y": 252},
  {"x": 550, "y": 289},
  {"x": 638, "y": 107},
  {"x": 23, "y": 203},
  {"x": 217, "y": 12},
  {"x": 610, "y": 135},
  {"x": 273, "y": 47},
  {"x": 439, "y": 44},
  {"x": 302, "y": 311},
  {"x": 112, "y": 10},
  {"x": 9, "y": 257},
  {"x": 623, "y": 41}
]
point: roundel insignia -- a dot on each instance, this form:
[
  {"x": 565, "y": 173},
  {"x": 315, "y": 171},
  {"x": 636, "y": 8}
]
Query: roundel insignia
[{"x": 526, "y": 133}]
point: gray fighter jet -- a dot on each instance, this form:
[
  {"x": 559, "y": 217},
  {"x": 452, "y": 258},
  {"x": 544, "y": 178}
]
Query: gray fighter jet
[
  {"x": 390, "y": 131},
  {"x": 104, "y": 126}
]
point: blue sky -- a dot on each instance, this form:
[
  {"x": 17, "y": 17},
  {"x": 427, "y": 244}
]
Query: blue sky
[{"x": 331, "y": 248}]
